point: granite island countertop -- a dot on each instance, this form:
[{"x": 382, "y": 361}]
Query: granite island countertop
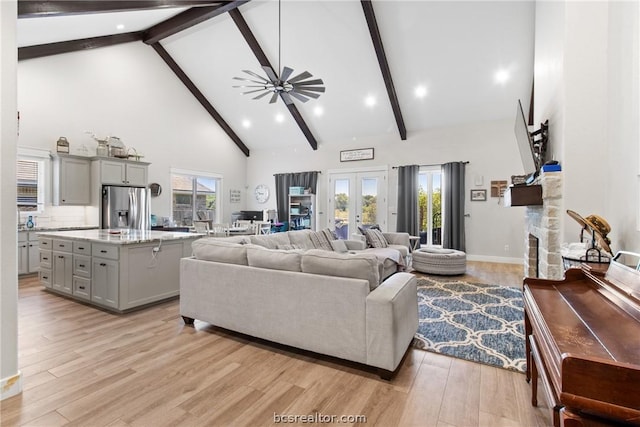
[{"x": 121, "y": 237}]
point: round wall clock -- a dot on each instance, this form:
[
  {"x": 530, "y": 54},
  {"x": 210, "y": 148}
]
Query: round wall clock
[{"x": 262, "y": 193}]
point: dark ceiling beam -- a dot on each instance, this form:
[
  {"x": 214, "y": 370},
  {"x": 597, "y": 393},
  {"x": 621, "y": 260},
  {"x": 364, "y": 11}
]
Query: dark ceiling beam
[
  {"x": 199, "y": 96},
  {"x": 367, "y": 7},
  {"x": 188, "y": 19},
  {"x": 36, "y": 8},
  {"x": 38, "y": 51},
  {"x": 262, "y": 59}
]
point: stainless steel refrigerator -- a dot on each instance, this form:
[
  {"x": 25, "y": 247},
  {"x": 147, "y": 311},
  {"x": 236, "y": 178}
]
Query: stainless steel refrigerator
[{"x": 125, "y": 207}]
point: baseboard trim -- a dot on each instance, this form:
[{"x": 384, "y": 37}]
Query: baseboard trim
[
  {"x": 11, "y": 386},
  {"x": 504, "y": 260}
]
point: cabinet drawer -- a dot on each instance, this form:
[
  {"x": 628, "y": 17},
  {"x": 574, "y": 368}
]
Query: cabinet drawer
[
  {"x": 45, "y": 277},
  {"x": 83, "y": 248},
  {"x": 46, "y": 243},
  {"x": 62, "y": 245},
  {"x": 104, "y": 251},
  {"x": 45, "y": 259},
  {"x": 23, "y": 236},
  {"x": 82, "y": 266},
  {"x": 82, "y": 288}
]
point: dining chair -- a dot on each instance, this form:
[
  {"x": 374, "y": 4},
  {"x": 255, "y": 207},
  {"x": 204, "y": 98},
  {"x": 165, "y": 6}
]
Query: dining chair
[
  {"x": 264, "y": 227},
  {"x": 202, "y": 227},
  {"x": 219, "y": 230}
]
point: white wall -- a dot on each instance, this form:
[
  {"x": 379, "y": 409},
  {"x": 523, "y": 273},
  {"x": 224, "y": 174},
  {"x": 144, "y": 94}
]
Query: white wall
[
  {"x": 10, "y": 383},
  {"x": 586, "y": 84},
  {"x": 129, "y": 92},
  {"x": 490, "y": 148}
]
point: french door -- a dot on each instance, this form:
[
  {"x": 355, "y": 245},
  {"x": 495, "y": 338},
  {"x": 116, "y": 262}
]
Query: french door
[{"x": 357, "y": 199}]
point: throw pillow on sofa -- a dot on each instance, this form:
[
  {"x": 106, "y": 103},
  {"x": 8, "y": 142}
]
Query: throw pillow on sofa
[
  {"x": 321, "y": 240},
  {"x": 375, "y": 238},
  {"x": 339, "y": 246}
]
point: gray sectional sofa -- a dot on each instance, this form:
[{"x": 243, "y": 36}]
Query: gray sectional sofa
[{"x": 345, "y": 305}]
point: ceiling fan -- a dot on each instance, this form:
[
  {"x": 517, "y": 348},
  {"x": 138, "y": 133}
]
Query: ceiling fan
[{"x": 298, "y": 87}]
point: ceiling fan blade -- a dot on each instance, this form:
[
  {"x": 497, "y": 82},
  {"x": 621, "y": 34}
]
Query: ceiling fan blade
[
  {"x": 253, "y": 91},
  {"x": 312, "y": 89},
  {"x": 252, "y": 81},
  {"x": 266, "y": 92},
  {"x": 274, "y": 98},
  {"x": 270, "y": 73},
  {"x": 286, "y": 72},
  {"x": 286, "y": 98},
  {"x": 261, "y": 85},
  {"x": 301, "y": 76},
  {"x": 298, "y": 96},
  {"x": 251, "y": 73},
  {"x": 311, "y": 82},
  {"x": 305, "y": 93}
]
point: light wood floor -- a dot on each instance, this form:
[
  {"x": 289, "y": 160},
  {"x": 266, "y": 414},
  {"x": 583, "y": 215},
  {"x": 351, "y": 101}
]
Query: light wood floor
[{"x": 85, "y": 367}]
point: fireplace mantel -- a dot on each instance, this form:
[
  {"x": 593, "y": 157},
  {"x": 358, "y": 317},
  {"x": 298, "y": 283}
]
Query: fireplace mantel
[{"x": 523, "y": 195}]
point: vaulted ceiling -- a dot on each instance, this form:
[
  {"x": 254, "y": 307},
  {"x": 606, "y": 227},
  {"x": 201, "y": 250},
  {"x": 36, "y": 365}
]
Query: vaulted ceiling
[{"x": 390, "y": 67}]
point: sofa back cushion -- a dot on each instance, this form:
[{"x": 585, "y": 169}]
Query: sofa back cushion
[
  {"x": 357, "y": 266},
  {"x": 271, "y": 241},
  {"x": 300, "y": 238},
  {"x": 274, "y": 259},
  {"x": 219, "y": 250}
]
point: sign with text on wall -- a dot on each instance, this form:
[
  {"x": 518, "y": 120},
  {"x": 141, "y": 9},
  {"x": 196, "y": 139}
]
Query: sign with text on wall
[{"x": 359, "y": 154}]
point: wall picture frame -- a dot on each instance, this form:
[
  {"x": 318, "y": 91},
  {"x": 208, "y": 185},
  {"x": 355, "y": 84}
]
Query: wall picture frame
[
  {"x": 479, "y": 195},
  {"x": 359, "y": 154}
]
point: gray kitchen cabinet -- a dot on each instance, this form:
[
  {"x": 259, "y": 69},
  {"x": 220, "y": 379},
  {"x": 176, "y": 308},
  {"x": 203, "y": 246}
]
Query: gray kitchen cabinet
[
  {"x": 105, "y": 281},
  {"x": 122, "y": 172},
  {"x": 71, "y": 180},
  {"x": 28, "y": 252},
  {"x": 62, "y": 272},
  {"x": 23, "y": 252}
]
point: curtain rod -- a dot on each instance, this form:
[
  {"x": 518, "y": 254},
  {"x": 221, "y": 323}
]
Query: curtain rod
[
  {"x": 295, "y": 172},
  {"x": 433, "y": 164}
]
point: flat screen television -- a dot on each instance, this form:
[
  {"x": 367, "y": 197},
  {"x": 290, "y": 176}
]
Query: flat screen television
[{"x": 530, "y": 159}]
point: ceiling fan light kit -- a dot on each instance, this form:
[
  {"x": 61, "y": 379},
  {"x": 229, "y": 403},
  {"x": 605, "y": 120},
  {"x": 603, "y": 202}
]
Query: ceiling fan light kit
[{"x": 285, "y": 86}]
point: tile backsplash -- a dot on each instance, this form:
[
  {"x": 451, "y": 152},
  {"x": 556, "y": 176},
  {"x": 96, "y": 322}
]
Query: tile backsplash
[{"x": 63, "y": 216}]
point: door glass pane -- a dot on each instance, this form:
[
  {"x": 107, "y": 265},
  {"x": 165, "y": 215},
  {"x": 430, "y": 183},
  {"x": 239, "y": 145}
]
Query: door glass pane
[
  {"x": 369, "y": 200},
  {"x": 429, "y": 207},
  {"x": 341, "y": 204}
]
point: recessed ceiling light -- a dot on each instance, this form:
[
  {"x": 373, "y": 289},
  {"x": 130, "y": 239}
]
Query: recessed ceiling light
[
  {"x": 318, "y": 111},
  {"x": 502, "y": 76},
  {"x": 120, "y": 27},
  {"x": 246, "y": 123},
  {"x": 370, "y": 101},
  {"x": 420, "y": 91},
  {"x": 279, "y": 117}
]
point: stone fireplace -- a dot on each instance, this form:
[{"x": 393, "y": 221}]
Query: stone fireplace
[{"x": 542, "y": 235}]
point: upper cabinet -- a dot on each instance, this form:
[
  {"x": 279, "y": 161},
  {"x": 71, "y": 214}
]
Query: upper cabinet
[
  {"x": 122, "y": 172},
  {"x": 70, "y": 177}
]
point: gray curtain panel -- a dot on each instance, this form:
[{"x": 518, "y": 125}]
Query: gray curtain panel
[
  {"x": 453, "y": 206},
  {"x": 286, "y": 180},
  {"x": 407, "y": 216}
]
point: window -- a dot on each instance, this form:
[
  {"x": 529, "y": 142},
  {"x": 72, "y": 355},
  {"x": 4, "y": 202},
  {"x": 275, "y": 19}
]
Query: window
[
  {"x": 429, "y": 206},
  {"x": 195, "y": 192},
  {"x": 30, "y": 173}
]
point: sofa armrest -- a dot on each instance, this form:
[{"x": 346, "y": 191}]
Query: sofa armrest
[
  {"x": 355, "y": 245},
  {"x": 397, "y": 238},
  {"x": 391, "y": 320}
]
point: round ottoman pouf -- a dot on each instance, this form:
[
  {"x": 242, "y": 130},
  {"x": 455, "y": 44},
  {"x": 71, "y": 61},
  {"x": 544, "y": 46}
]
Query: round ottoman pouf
[{"x": 439, "y": 261}]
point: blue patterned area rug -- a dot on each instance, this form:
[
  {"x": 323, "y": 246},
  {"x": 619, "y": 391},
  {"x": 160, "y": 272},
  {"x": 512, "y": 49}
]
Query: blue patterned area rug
[{"x": 472, "y": 321}]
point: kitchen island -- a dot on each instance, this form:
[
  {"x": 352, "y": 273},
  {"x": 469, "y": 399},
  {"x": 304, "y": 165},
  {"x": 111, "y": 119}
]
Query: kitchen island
[{"x": 119, "y": 270}]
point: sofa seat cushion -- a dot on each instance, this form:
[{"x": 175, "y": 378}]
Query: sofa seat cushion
[
  {"x": 219, "y": 250},
  {"x": 355, "y": 265},
  {"x": 274, "y": 259}
]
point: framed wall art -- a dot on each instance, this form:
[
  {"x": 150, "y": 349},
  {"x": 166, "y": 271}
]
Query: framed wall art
[
  {"x": 478, "y": 195},
  {"x": 353, "y": 155}
]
